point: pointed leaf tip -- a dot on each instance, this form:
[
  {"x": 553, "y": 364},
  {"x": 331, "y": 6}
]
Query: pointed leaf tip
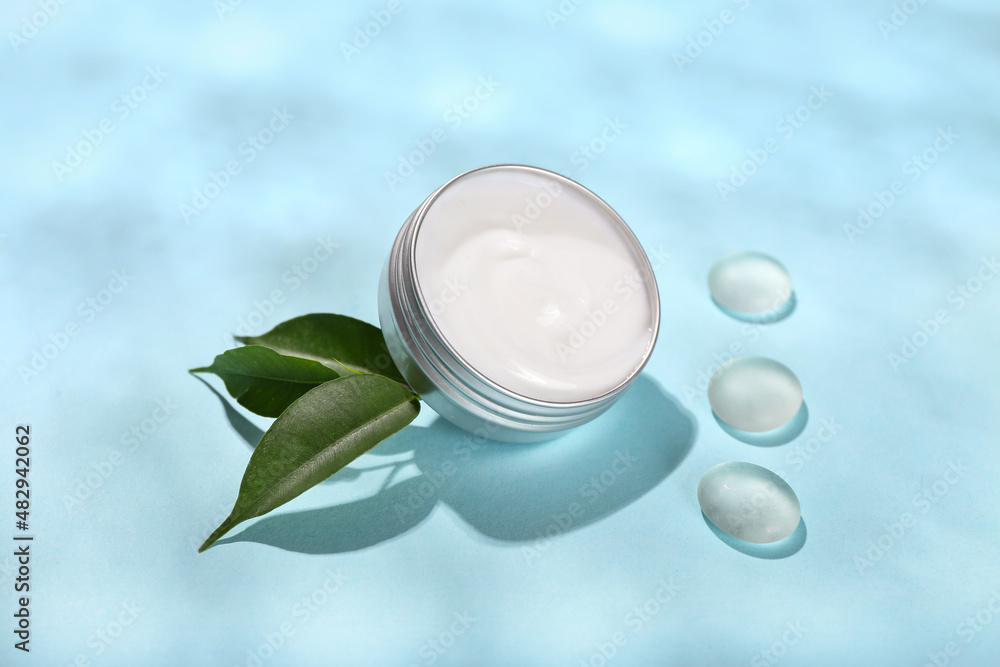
[{"x": 320, "y": 433}]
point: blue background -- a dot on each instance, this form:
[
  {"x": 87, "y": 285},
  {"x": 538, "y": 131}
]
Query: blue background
[{"x": 117, "y": 519}]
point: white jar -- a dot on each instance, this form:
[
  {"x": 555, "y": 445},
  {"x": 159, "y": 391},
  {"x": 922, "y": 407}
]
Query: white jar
[{"x": 517, "y": 303}]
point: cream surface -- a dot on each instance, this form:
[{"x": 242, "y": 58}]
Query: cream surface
[{"x": 535, "y": 284}]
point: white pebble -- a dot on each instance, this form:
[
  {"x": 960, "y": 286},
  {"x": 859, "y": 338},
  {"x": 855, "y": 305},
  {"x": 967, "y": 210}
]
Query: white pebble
[
  {"x": 749, "y": 502},
  {"x": 750, "y": 283},
  {"x": 754, "y": 394}
]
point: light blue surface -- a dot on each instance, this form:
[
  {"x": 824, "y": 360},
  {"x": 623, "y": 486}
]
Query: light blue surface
[{"x": 469, "y": 559}]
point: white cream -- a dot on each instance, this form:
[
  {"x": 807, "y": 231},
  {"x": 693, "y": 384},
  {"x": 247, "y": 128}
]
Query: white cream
[{"x": 535, "y": 283}]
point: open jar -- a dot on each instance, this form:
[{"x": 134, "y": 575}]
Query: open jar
[{"x": 517, "y": 303}]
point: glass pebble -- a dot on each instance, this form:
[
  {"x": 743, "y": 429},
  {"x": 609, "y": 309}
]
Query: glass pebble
[
  {"x": 754, "y": 394},
  {"x": 751, "y": 286},
  {"x": 749, "y": 502}
]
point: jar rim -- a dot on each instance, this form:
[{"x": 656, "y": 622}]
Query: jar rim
[{"x": 632, "y": 241}]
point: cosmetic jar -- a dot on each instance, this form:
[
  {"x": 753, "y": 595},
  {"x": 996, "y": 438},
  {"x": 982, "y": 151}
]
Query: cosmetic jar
[{"x": 517, "y": 303}]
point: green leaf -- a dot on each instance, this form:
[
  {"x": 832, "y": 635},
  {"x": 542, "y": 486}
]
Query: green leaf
[
  {"x": 335, "y": 340},
  {"x": 265, "y": 382},
  {"x": 315, "y": 437}
]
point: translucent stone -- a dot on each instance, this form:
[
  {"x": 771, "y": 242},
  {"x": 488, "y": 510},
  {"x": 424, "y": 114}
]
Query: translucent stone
[
  {"x": 752, "y": 286},
  {"x": 754, "y": 394},
  {"x": 749, "y": 502}
]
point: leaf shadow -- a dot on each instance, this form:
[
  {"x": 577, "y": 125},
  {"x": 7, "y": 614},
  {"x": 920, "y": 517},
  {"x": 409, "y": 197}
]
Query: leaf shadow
[
  {"x": 349, "y": 527},
  {"x": 246, "y": 429},
  {"x": 251, "y": 434},
  {"x": 504, "y": 491}
]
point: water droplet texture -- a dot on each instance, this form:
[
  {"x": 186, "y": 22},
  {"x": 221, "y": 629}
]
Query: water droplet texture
[
  {"x": 754, "y": 394},
  {"x": 751, "y": 286},
  {"x": 749, "y": 502}
]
